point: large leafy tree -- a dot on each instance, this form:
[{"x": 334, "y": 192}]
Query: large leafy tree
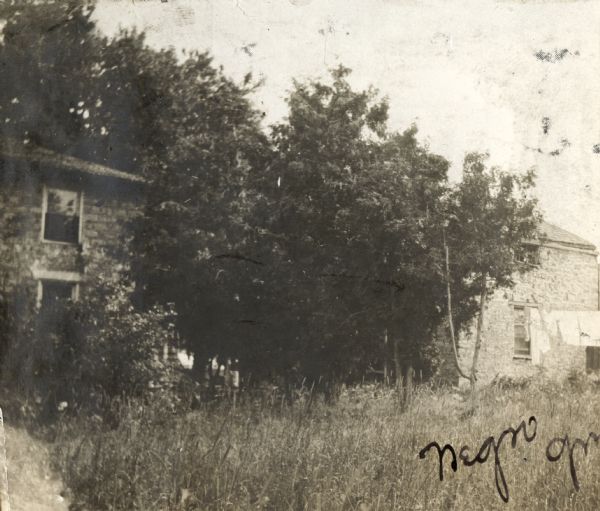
[
  {"x": 195, "y": 246},
  {"x": 489, "y": 215},
  {"x": 67, "y": 87},
  {"x": 352, "y": 209},
  {"x": 305, "y": 251},
  {"x": 46, "y": 47},
  {"x": 363, "y": 218},
  {"x": 180, "y": 122}
]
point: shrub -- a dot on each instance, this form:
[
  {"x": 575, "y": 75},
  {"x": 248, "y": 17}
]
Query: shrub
[{"x": 84, "y": 354}]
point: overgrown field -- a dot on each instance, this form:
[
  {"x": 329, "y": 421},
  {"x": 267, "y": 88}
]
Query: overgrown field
[{"x": 359, "y": 453}]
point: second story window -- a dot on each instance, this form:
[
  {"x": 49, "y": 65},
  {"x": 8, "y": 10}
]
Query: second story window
[
  {"x": 62, "y": 209},
  {"x": 528, "y": 255}
]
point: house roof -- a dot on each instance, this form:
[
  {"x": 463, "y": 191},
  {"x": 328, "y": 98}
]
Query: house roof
[
  {"x": 16, "y": 149},
  {"x": 551, "y": 232}
]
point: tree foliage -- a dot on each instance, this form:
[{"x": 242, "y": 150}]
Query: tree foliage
[
  {"x": 353, "y": 208},
  {"x": 88, "y": 352},
  {"x": 67, "y": 87},
  {"x": 490, "y": 213},
  {"x": 301, "y": 251}
]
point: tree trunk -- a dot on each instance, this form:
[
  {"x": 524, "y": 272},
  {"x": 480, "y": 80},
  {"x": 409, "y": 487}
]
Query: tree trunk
[
  {"x": 397, "y": 363},
  {"x": 386, "y": 379},
  {"x": 450, "y": 320},
  {"x": 478, "y": 340},
  {"x": 409, "y": 384}
]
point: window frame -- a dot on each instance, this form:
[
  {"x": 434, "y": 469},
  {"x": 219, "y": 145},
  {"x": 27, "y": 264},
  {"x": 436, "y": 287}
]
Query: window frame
[
  {"x": 71, "y": 284},
  {"x": 592, "y": 354},
  {"x": 66, "y": 277},
  {"x": 534, "y": 248},
  {"x": 526, "y": 326},
  {"x": 45, "y": 190}
]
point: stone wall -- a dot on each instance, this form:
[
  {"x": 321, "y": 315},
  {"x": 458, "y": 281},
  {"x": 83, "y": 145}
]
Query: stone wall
[
  {"x": 566, "y": 279},
  {"x": 107, "y": 223},
  {"x": 108, "y": 207}
]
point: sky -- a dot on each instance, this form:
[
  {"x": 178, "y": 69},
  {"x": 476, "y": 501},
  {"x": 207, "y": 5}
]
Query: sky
[{"x": 519, "y": 80}]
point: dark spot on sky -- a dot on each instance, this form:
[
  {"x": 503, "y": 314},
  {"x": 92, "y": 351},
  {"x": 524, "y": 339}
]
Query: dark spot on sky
[
  {"x": 247, "y": 49},
  {"x": 555, "y": 55},
  {"x": 564, "y": 144},
  {"x": 596, "y": 148},
  {"x": 546, "y": 125}
]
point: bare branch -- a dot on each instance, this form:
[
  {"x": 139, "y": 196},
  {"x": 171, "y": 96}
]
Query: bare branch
[{"x": 392, "y": 283}]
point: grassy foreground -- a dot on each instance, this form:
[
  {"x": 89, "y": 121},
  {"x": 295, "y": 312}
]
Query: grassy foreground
[
  {"x": 32, "y": 484},
  {"x": 360, "y": 453}
]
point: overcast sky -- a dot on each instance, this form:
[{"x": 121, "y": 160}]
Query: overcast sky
[{"x": 473, "y": 75}]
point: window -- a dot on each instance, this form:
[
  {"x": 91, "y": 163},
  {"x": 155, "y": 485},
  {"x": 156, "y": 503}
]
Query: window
[
  {"x": 62, "y": 210},
  {"x": 521, "y": 326},
  {"x": 56, "y": 292},
  {"x": 528, "y": 255},
  {"x": 592, "y": 358}
]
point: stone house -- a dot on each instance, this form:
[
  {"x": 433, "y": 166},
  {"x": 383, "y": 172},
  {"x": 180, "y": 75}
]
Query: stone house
[
  {"x": 61, "y": 219},
  {"x": 549, "y": 322}
]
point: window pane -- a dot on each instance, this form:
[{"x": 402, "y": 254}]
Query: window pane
[
  {"x": 56, "y": 291},
  {"x": 522, "y": 345},
  {"x": 592, "y": 358},
  {"x": 61, "y": 221},
  {"x": 528, "y": 255},
  {"x": 55, "y": 295},
  {"x": 64, "y": 202},
  {"x": 61, "y": 228},
  {"x": 519, "y": 315}
]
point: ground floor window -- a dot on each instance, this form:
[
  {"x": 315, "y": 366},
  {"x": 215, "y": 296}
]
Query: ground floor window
[
  {"x": 56, "y": 292},
  {"x": 522, "y": 340},
  {"x": 53, "y": 297},
  {"x": 592, "y": 358}
]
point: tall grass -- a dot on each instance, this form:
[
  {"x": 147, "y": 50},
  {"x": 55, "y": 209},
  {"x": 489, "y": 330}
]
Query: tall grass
[{"x": 360, "y": 453}]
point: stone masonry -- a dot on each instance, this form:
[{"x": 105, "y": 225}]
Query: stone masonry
[
  {"x": 565, "y": 278},
  {"x": 108, "y": 201}
]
